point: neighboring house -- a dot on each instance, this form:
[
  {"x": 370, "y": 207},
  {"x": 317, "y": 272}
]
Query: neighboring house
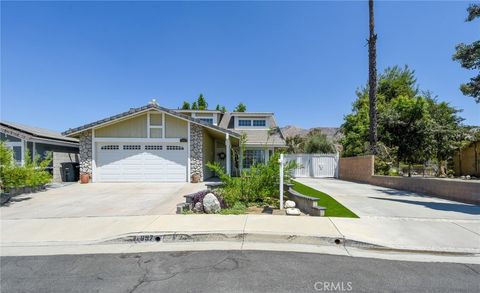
[
  {"x": 21, "y": 138},
  {"x": 155, "y": 144},
  {"x": 467, "y": 160}
]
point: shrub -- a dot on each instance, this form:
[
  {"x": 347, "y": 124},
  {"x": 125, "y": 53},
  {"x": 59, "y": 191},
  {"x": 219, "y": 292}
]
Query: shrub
[
  {"x": 258, "y": 184},
  {"x": 32, "y": 173}
]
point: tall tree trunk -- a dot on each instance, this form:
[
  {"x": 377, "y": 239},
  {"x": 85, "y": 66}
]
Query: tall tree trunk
[{"x": 372, "y": 81}]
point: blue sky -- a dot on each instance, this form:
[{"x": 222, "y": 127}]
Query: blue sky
[{"x": 69, "y": 63}]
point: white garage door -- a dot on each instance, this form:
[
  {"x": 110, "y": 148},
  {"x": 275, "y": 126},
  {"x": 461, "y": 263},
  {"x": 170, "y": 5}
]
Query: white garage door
[{"x": 141, "y": 162}]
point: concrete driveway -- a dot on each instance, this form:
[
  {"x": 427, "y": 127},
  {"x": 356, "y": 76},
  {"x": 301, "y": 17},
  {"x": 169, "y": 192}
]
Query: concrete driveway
[
  {"x": 374, "y": 201},
  {"x": 100, "y": 199}
]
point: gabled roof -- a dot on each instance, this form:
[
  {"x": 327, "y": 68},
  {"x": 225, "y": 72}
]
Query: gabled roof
[
  {"x": 150, "y": 106},
  {"x": 273, "y": 136},
  {"x": 36, "y": 132}
]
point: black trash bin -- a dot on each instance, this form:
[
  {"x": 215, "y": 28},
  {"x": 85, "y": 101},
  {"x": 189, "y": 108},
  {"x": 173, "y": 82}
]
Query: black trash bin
[{"x": 70, "y": 172}]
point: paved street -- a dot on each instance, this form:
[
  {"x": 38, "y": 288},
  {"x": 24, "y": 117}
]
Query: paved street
[
  {"x": 100, "y": 200},
  {"x": 231, "y": 271}
]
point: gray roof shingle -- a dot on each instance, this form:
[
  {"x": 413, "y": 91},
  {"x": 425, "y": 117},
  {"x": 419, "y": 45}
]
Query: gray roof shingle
[
  {"x": 154, "y": 106},
  {"x": 37, "y": 131}
]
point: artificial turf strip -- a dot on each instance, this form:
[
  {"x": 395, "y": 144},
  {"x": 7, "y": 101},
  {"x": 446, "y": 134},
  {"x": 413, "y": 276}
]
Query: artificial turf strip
[{"x": 334, "y": 208}]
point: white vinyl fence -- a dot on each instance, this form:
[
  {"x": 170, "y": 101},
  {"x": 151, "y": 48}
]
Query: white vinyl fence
[{"x": 314, "y": 165}]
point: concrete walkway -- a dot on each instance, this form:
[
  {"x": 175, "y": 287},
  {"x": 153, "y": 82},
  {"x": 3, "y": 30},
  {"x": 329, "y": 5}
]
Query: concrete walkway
[{"x": 312, "y": 234}]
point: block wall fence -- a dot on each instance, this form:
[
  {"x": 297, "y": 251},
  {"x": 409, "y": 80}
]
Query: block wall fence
[{"x": 361, "y": 169}]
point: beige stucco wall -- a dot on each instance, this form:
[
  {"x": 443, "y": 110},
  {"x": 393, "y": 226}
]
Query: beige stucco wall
[
  {"x": 175, "y": 128},
  {"x": 208, "y": 153},
  {"x": 135, "y": 127}
]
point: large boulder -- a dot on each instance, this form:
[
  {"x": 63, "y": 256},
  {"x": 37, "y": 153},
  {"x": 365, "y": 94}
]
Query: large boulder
[
  {"x": 211, "y": 204},
  {"x": 289, "y": 204}
]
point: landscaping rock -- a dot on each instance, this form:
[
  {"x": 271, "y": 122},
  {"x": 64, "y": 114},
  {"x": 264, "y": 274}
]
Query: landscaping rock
[
  {"x": 293, "y": 212},
  {"x": 211, "y": 205},
  {"x": 198, "y": 207},
  {"x": 289, "y": 204}
]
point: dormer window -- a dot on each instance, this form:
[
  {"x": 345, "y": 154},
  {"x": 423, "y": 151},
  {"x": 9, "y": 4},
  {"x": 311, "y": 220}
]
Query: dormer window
[
  {"x": 244, "y": 122},
  {"x": 252, "y": 122},
  {"x": 259, "y": 122},
  {"x": 208, "y": 120}
]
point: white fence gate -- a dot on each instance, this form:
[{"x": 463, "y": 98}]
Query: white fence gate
[{"x": 314, "y": 165}]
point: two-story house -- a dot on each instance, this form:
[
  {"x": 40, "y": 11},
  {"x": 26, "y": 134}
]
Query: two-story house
[{"x": 156, "y": 144}]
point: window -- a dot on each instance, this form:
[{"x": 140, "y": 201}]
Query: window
[
  {"x": 253, "y": 157},
  {"x": 17, "y": 153},
  {"x": 259, "y": 123},
  {"x": 153, "y": 147},
  {"x": 156, "y": 133},
  {"x": 174, "y": 148},
  {"x": 131, "y": 147},
  {"x": 155, "y": 119},
  {"x": 244, "y": 122},
  {"x": 208, "y": 120},
  {"x": 109, "y": 147}
]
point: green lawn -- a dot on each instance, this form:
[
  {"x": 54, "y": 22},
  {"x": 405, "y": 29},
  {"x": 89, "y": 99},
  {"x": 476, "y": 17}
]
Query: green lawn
[{"x": 334, "y": 208}]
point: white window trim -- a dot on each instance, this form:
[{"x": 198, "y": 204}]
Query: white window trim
[
  {"x": 251, "y": 127},
  {"x": 213, "y": 117},
  {"x": 149, "y": 127}
]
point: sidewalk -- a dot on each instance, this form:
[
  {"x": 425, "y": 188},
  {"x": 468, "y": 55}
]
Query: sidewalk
[{"x": 356, "y": 237}]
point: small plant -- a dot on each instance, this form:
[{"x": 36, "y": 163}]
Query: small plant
[{"x": 237, "y": 209}]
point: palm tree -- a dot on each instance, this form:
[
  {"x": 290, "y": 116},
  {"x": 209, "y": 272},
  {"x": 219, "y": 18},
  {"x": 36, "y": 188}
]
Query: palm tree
[{"x": 372, "y": 80}]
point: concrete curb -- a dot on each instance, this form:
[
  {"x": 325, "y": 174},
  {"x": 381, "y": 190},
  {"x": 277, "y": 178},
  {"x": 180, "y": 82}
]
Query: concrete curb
[{"x": 167, "y": 238}]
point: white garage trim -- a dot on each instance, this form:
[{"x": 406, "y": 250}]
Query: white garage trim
[
  {"x": 126, "y": 139},
  {"x": 93, "y": 155}
]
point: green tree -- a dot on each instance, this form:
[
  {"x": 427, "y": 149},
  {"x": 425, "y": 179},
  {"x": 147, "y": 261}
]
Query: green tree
[
  {"x": 185, "y": 105},
  {"x": 202, "y": 103},
  {"x": 241, "y": 107},
  {"x": 222, "y": 109},
  {"x": 318, "y": 143},
  {"x": 468, "y": 55},
  {"x": 392, "y": 83},
  {"x": 406, "y": 125},
  {"x": 445, "y": 131},
  {"x": 295, "y": 144},
  {"x": 194, "y": 106},
  {"x": 412, "y": 127}
]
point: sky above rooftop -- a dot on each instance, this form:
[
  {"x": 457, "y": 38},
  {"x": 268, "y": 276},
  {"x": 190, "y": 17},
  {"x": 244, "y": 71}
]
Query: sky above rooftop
[{"x": 65, "y": 64}]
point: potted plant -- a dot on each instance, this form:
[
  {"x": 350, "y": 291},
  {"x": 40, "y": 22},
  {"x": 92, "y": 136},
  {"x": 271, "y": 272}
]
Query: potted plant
[
  {"x": 84, "y": 178},
  {"x": 195, "y": 178}
]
